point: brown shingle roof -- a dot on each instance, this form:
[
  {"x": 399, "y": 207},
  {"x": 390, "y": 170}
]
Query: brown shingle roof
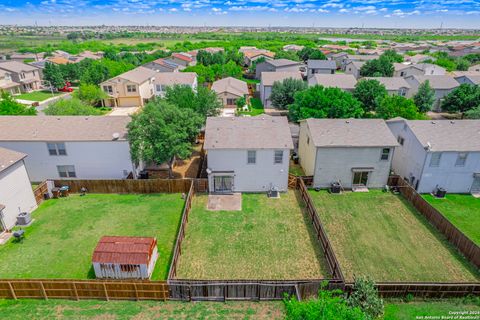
[
  {"x": 63, "y": 128},
  {"x": 9, "y": 157},
  {"x": 260, "y": 132},
  {"x": 124, "y": 250},
  {"x": 230, "y": 85},
  {"x": 350, "y": 133}
]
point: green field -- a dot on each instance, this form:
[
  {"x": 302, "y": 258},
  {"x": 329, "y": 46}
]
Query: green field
[
  {"x": 433, "y": 308},
  {"x": 380, "y": 235},
  {"x": 61, "y": 240},
  {"x": 268, "y": 239},
  {"x": 463, "y": 210},
  {"x": 37, "y": 95}
]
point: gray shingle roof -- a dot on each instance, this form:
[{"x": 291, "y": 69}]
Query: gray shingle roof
[
  {"x": 17, "y": 67},
  {"x": 9, "y": 157},
  {"x": 350, "y": 133},
  {"x": 342, "y": 81},
  {"x": 321, "y": 64},
  {"x": 282, "y": 62},
  {"x": 446, "y": 135},
  {"x": 172, "y": 78},
  {"x": 268, "y": 78},
  {"x": 438, "y": 82},
  {"x": 391, "y": 83},
  {"x": 138, "y": 75},
  {"x": 230, "y": 85},
  {"x": 63, "y": 128},
  {"x": 260, "y": 132}
]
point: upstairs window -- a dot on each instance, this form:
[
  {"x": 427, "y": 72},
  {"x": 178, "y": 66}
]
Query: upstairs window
[
  {"x": 56, "y": 149},
  {"x": 108, "y": 89},
  {"x": 435, "y": 159},
  {"x": 251, "y": 157},
  {"x": 66, "y": 171},
  {"x": 131, "y": 88},
  {"x": 278, "y": 157},
  {"x": 401, "y": 140},
  {"x": 461, "y": 159},
  {"x": 385, "y": 154}
]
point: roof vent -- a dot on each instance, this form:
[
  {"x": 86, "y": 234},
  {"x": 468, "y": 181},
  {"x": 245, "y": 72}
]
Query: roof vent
[
  {"x": 115, "y": 135},
  {"x": 452, "y": 122},
  {"x": 347, "y": 121},
  {"x": 433, "y": 122}
]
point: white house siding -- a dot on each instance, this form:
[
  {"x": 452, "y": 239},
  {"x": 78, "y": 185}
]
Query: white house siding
[
  {"x": 335, "y": 164},
  {"x": 409, "y": 159},
  {"x": 265, "y": 92},
  {"x": 306, "y": 151},
  {"x": 454, "y": 179},
  {"x": 15, "y": 193},
  {"x": 92, "y": 159},
  {"x": 258, "y": 177}
]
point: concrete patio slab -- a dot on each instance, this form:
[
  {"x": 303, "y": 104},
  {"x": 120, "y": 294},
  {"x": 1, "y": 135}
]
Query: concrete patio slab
[{"x": 225, "y": 202}]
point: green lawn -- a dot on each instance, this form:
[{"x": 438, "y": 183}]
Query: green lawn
[
  {"x": 463, "y": 210},
  {"x": 268, "y": 239},
  {"x": 296, "y": 169},
  {"x": 37, "y": 95},
  {"x": 256, "y": 108},
  {"x": 433, "y": 308},
  {"x": 119, "y": 310},
  {"x": 61, "y": 240},
  {"x": 380, "y": 235},
  {"x": 250, "y": 81}
]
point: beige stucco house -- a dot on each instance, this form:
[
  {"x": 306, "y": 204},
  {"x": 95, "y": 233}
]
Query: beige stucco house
[
  {"x": 29, "y": 77},
  {"x": 130, "y": 89},
  {"x": 7, "y": 84},
  {"x": 229, "y": 90}
]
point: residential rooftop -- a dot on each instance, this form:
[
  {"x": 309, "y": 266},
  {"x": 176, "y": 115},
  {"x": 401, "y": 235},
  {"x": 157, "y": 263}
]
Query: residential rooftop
[
  {"x": 390, "y": 83},
  {"x": 338, "y": 80},
  {"x": 260, "y": 132},
  {"x": 124, "y": 250},
  {"x": 138, "y": 75},
  {"x": 350, "y": 133},
  {"x": 446, "y": 135},
  {"x": 172, "y": 78},
  {"x": 321, "y": 64},
  {"x": 63, "y": 128},
  {"x": 437, "y": 82},
  {"x": 17, "y": 67},
  {"x": 282, "y": 62},
  {"x": 268, "y": 78},
  {"x": 231, "y": 85},
  {"x": 9, "y": 157}
]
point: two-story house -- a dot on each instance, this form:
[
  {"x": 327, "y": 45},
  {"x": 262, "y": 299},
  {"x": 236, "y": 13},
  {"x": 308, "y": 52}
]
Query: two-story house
[
  {"x": 346, "y": 82},
  {"x": 70, "y": 146},
  {"x": 130, "y": 89},
  {"x": 29, "y": 77},
  {"x": 277, "y": 65},
  {"x": 438, "y": 154},
  {"x": 394, "y": 85},
  {"x": 248, "y": 154},
  {"x": 320, "y": 67},
  {"x": 421, "y": 69},
  {"x": 356, "y": 153},
  {"x": 267, "y": 81},
  {"x": 163, "y": 80},
  {"x": 442, "y": 85},
  {"x": 7, "y": 84}
]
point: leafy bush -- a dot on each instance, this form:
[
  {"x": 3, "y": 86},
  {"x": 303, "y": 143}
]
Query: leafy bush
[
  {"x": 328, "y": 305},
  {"x": 283, "y": 92},
  {"x": 89, "y": 94},
  {"x": 8, "y": 106},
  {"x": 365, "y": 297},
  {"x": 71, "y": 107},
  {"x": 398, "y": 106}
]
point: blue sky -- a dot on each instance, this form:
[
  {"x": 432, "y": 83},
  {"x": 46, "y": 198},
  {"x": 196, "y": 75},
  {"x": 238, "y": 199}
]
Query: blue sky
[{"x": 323, "y": 13}]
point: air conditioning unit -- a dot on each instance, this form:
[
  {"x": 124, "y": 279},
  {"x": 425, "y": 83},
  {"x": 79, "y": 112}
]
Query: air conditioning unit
[
  {"x": 440, "y": 193},
  {"x": 24, "y": 219}
]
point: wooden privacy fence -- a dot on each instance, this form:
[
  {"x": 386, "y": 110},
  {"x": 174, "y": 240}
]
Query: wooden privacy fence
[
  {"x": 456, "y": 237},
  {"x": 177, "y": 251},
  {"x": 256, "y": 290},
  {"x": 39, "y": 191},
  {"x": 328, "y": 252},
  {"x": 84, "y": 289},
  {"x": 133, "y": 186}
]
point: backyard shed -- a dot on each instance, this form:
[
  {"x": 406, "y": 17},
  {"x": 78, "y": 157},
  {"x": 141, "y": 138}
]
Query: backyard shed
[{"x": 125, "y": 257}]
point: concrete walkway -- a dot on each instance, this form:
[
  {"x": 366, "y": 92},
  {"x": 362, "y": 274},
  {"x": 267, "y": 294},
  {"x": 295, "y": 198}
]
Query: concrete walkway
[
  {"x": 225, "y": 202},
  {"x": 123, "y": 111}
]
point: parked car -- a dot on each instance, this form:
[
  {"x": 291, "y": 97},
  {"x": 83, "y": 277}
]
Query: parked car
[{"x": 66, "y": 88}]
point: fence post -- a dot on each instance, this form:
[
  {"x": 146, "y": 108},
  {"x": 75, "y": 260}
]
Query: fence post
[
  {"x": 43, "y": 290},
  {"x": 136, "y": 291},
  {"x": 75, "y": 291},
  {"x": 12, "y": 291},
  {"x": 105, "y": 290}
]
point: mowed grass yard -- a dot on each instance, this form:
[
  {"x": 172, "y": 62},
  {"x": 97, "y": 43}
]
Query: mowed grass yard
[
  {"x": 61, "y": 240},
  {"x": 463, "y": 210},
  {"x": 37, "y": 95},
  {"x": 380, "y": 235},
  {"x": 269, "y": 239}
]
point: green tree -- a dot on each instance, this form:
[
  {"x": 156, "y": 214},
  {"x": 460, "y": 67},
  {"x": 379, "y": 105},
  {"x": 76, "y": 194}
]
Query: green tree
[
  {"x": 473, "y": 113},
  {"x": 53, "y": 75},
  {"x": 393, "y": 56},
  {"x": 162, "y": 132},
  {"x": 290, "y": 55},
  {"x": 397, "y": 106},
  {"x": 462, "y": 64},
  {"x": 253, "y": 66},
  {"x": 369, "y": 92},
  {"x": 231, "y": 69},
  {"x": 425, "y": 97},
  {"x": 320, "y": 102},
  {"x": 71, "y": 107},
  {"x": 381, "y": 67},
  {"x": 462, "y": 99},
  {"x": 283, "y": 92},
  {"x": 204, "y": 102},
  {"x": 90, "y": 94},
  {"x": 204, "y": 74},
  {"x": 308, "y": 53},
  {"x": 8, "y": 106},
  {"x": 241, "y": 102},
  {"x": 365, "y": 296}
]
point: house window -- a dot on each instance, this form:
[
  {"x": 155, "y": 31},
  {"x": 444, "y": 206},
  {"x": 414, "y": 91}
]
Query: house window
[
  {"x": 401, "y": 140},
  {"x": 251, "y": 157},
  {"x": 231, "y": 102},
  {"x": 402, "y": 92},
  {"x": 108, "y": 89},
  {"x": 34, "y": 73},
  {"x": 22, "y": 75},
  {"x": 402, "y": 74},
  {"x": 66, "y": 171},
  {"x": 461, "y": 159},
  {"x": 278, "y": 157},
  {"x": 385, "y": 154},
  {"x": 131, "y": 88},
  {"x": 435, "y": 159},
  {"x": 56, "y": 149}
]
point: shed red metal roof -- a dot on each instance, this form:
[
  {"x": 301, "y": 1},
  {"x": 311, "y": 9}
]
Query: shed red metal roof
[
  {"x": 182, "y": 57},
  {"x": 124, "y": 250}
]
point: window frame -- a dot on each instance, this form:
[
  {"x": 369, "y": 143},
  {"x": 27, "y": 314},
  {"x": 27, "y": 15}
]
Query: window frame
[
  {"x": 465, "y": 156},
  {"x": 131, "y": 88},
  {"x": 438, "y": 161},
  {"x": 383, "y": 153},
  {"x": 401, "y": 140},
  {"x": 57, "y": 150},
  {"x": 67, "y": 172},
  {"x": 249, "y": 152},
  {"x": 275, "y": 156},
  {"x": 108, "y": 89}
]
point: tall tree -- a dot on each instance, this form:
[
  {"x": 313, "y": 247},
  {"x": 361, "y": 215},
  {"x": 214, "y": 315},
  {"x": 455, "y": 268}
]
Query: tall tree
[
  {"x": 53, "y": 75},
  {"x": 308, "y": 53},
  {"x": 283, "y": 92},
  {"x": 381, "y": 67},
  {"x": 8, "y": 106},
  {"x": 393, "y": 56},
  {"x": 320, "y": 102},
  {"x": 90, "y": 94},
  {"x": 462, "y": 99},
  {"x": 369, "y": 92},
  {"x": 162, "y": 132},
  {"x": 398, "y": 106},
  {"x": 473, "y": 113},
  {"x": 204, "y": 102},
  {"x": 425, "y": 97}
]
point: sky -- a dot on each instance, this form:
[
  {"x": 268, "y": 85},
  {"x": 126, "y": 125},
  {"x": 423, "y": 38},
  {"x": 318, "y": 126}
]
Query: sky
[{"x": 293, "y": 13}]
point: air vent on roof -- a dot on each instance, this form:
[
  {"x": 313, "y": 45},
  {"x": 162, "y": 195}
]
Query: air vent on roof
[
  {"x": 115, "y": 135},
  {"x": 347, "y": 121},
  {"x": 433, "y": 122},
  {"x": 452, "y": 122}
]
